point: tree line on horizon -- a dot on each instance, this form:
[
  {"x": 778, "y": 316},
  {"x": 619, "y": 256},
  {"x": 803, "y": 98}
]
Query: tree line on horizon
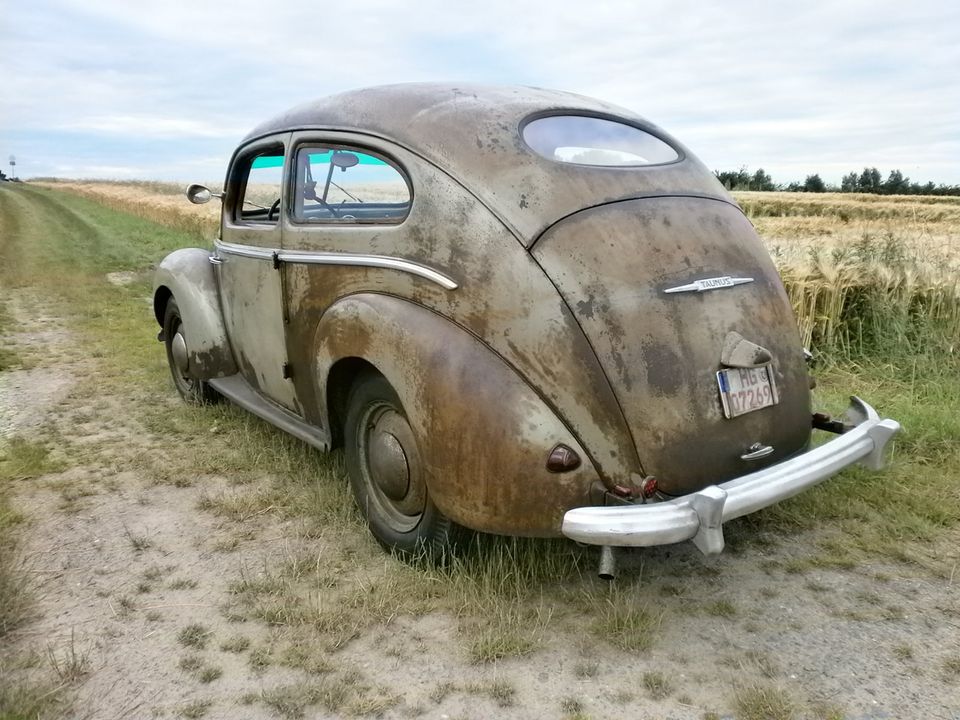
[{"x": 868, "y": 181}]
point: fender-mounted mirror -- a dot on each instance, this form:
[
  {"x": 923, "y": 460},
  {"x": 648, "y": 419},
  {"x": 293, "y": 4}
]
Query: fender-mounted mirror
[{"x": 200, "y": 194}]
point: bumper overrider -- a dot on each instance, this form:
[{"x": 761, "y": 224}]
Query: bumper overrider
[{"x": 700, "y": 516}]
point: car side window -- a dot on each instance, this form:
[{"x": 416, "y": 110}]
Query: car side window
[
  {"x": 261, "y": 187},
  {"x": 347, "y": 186}
]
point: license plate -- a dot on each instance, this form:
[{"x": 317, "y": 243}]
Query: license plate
[{"x": 744, "y": 390}]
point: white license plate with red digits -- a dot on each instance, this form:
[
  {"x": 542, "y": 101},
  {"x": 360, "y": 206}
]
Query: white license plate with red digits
[{"x": 744, "y": 390}]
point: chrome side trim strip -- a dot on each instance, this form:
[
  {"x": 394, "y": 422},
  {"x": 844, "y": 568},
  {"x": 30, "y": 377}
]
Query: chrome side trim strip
[
  {"x": 246, "y": 251},
  {"x": 335, "y": 258},
  {"x": 378, "y": 261}
]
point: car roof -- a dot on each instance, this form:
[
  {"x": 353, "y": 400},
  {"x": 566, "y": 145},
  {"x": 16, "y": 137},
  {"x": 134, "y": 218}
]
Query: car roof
[{"x": 473, "y": 133}]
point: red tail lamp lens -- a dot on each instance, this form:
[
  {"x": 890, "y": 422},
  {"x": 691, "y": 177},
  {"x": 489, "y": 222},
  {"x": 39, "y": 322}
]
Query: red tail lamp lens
[
  {"x": 562, "y": 459},
  {"x": 649, "y": 486}
]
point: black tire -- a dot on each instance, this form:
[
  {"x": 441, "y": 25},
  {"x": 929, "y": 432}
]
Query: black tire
[
  {"x": 192, "y": 390},
  {"x": 387, "y": 477}
]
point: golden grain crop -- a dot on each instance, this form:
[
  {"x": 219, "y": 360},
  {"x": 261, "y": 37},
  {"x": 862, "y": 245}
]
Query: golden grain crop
[{"x": 858, "y": 268}]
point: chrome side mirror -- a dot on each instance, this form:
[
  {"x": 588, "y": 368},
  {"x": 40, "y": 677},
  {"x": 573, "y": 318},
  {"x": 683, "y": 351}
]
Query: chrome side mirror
[{"x": 200, "y": 194}]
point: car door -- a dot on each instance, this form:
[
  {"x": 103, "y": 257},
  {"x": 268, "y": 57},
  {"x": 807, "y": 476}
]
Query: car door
[
  {"x": 250, "y": 276},
  {"x": 348, "y": 197}
]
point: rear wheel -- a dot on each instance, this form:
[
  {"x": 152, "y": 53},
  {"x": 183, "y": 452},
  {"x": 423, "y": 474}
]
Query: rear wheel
[
  {"x": 192, "y": 390},
  {"x": 387, "y": 476}
]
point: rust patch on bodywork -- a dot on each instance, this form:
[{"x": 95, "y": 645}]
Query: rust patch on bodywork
[
  {"x": 472, "y": 132},
  {"x": 504, "y": 299},
  {"x": 558, "y": 333},
  {"x": 662, "y": 350},
  {"x": 188, "y": 276},
  {"x": 492, "y": 477}
]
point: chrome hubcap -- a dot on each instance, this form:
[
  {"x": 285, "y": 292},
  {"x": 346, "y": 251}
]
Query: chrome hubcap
[
  {"x": 178, "y": 348},
  {"x": 392, "y": 467},
  {"x": 388, "y": 464}
]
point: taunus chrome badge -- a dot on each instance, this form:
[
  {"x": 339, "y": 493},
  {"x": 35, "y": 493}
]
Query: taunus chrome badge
[{"x": 709, "y": 284}]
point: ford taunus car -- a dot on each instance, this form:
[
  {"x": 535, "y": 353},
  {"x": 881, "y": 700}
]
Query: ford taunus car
[{"x": 519, "y": 311}]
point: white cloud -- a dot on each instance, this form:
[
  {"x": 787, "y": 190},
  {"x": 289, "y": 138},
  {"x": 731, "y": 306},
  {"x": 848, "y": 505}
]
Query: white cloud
[{"x": 147, "y": 126}]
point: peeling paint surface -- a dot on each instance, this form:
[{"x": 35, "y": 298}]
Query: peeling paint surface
[
  {"x": 662, "y": 351},
  {"x": 559, "y": 330}
]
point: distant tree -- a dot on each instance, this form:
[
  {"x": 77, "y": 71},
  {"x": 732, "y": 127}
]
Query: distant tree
[
  {"x": 849, "y": 183},
  {"x": 896, "y": 184},
  {"x": 762, "y": 181},
  {"x": 869, "y": 181},
  {"x": 742, "y": 179},
  {"x": 814, "y": 183},
  {"x": 734, "y": 179}
]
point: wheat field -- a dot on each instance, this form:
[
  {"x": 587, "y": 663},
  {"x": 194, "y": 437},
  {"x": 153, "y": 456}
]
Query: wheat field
[{"x": 865, "y": 273}]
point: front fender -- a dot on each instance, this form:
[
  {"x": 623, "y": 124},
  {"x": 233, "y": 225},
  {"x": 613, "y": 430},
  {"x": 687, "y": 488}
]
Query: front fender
[
  {"x": 189, "y": 277},
  {"x": 484, "y": 434}
]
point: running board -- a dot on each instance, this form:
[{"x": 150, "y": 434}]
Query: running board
[{"x": 238, "y": 391}]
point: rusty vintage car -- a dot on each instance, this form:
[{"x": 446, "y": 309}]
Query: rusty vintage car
[{"x": 519, "y": 311}]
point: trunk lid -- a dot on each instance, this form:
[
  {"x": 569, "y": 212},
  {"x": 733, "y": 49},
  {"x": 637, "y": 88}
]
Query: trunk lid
[{"x": 661, "y": 350}]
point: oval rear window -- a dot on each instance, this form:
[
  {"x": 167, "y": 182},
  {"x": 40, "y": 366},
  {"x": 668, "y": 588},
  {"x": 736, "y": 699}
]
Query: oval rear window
[{"x": 584, "y": 140}]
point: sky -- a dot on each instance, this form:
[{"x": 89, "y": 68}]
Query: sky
[{"x": 165, "y": 90}]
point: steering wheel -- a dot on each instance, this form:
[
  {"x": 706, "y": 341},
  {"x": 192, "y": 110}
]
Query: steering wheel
[{"x": 274, "y": 209}]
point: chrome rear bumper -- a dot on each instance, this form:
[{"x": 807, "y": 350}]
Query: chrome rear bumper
[{"x": 700, "y": 516}]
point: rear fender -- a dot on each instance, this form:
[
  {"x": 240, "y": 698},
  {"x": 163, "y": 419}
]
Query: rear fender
[
  {"x": 483, "y": 433},
  {"x": 189, "y": 277}
]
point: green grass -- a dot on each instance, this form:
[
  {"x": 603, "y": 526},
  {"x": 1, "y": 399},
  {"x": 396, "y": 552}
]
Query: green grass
[
  {"x": 20, "y": 460},
  {"x": 24, "y": 459},
  {"x": 344, "y": 694},
  {"x": 194, "y": 636},
  {"x": 621, "y": 621},
  {"x": 195, "y": 709},
  {"x": 898, "y": 514},
  {"x": 763, "y": 701},
  {"x": 657, "y": 685},
  {"x": 236, "y": 644},
  {"x": 9, "y": 358},
  {"x": 28, "y": 700}
]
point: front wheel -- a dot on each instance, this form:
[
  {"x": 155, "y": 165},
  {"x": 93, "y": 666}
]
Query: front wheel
[
  {"x": 192, "y": 390},
  {"x": 387, "y": 476}
]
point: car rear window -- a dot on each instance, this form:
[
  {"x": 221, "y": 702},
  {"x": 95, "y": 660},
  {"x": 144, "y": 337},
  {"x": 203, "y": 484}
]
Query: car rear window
[{"x": 585, "y": 140}]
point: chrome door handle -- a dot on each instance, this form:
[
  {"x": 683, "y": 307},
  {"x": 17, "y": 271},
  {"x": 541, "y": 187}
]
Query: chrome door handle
[{"x": 757, "y": 451}]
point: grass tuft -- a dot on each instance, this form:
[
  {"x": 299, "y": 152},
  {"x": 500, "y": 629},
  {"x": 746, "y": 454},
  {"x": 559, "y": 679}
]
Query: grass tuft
[
  {"x": 71, "y": 665},
  {"x": 194, "y": 636},
  {"x": 22, "y": 459},
  {"x": 195, "y": 709},
  {"x": 763, "y": 701},
  {"x": 657, "y": 685},
  {"x": 619, "y": 620},
  {"x": 237, "y": 644},
  {"x": 951, "y": 667}
]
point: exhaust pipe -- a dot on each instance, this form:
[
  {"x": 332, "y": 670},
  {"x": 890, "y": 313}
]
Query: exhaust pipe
[{"x": 608, "y": 562}]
